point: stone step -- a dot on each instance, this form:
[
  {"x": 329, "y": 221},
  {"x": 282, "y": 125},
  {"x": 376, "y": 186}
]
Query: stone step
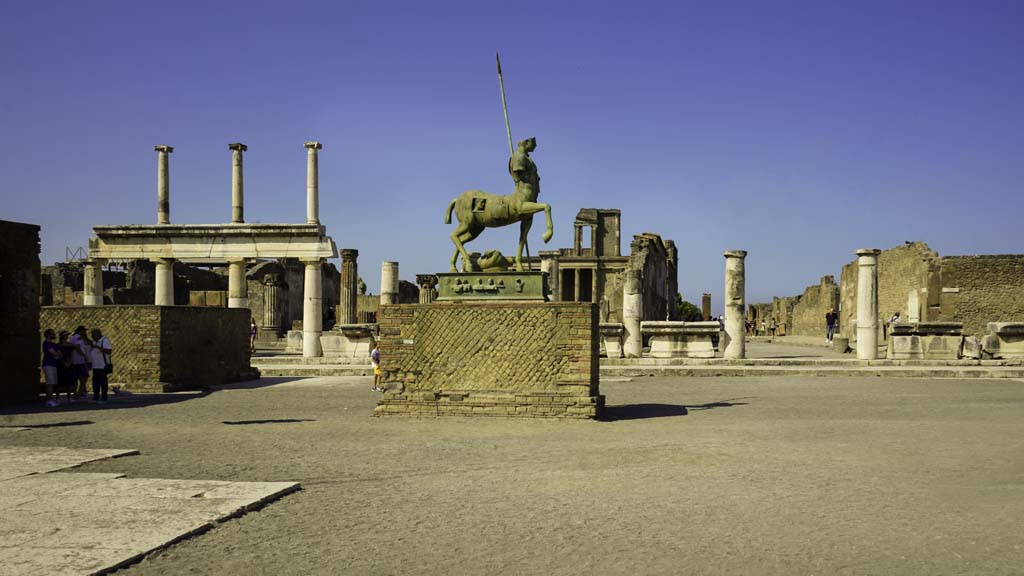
[
  {"x": 821, "y": 370},
  {"x": 315, "y": 370},
  {"x": 816, "y": 362},
  {"x": 297, "y": 359},
  {"x": 636, "y": 370}
]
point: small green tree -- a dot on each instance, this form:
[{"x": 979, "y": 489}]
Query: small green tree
[{"x": 688, "y": 312}]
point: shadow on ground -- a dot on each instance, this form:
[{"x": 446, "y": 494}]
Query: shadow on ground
[
  {"x": 136, "y": 400},
  {"x": 49, "y": 425},
  {"x": 641, "y": 411},
  {"x": 271, "y": 421},
  {"x": 263, "y": 382}
]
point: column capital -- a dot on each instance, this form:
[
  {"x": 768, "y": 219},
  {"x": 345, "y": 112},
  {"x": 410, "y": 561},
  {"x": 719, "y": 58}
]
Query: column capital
[
  {"x": 549, "y": 253},
  {"x": 165, "y": 261},
  {"x": 429, "y": 280},
  {"x": 237, "y": 146},
  {"x": 238, "y": 260},
  {"x": 313, "y": 145},
  {"x": 311, "y": 261},
  {"x": 349, "y": 254},
  {"x": 735, "y": 253},
  {"x": 163, "y": 148},
  {"x": 868, "y": 252}
]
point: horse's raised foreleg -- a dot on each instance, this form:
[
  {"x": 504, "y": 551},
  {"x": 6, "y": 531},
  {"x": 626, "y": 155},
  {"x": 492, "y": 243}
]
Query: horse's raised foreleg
[{"x": 533, "y": 208}]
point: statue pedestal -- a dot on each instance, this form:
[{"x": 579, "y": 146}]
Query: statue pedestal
[
  {"x": 492, "y": 286},
  {"x": 925, "y": 341},
  {"x": 480, "y": 357},
  {"x": 671, "y": 339}
]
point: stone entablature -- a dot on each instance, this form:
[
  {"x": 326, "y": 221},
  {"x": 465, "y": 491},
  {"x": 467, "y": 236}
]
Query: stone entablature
[
  {"x": 670, "y": 339},
  {"x": 482, "y": 358},
  {"x": 925, "y": 341},
  {"x": 211, "y": 242}
]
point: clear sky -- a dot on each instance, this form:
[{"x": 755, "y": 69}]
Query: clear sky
[{"x": 799, "y": 131}]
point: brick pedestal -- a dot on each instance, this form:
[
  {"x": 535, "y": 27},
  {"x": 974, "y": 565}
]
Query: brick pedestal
[{"x": 520, "y": 359}]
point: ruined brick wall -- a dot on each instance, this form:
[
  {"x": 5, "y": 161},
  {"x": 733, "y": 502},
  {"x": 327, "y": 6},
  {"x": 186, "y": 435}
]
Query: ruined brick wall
[
  {"x": 203, "y": 346},
  {"x": 505, "y": 358},
  {"x": 165, "y": 347},
  {"x": 20, "y": 341},
  {"x": 976, "y": 290},
  {"x": 755, "y": 312},
  {"x": 809, "y": 309},
  {"x": 782, "y": 312},
  {"x": 900, "y": 270},
  {"x": 659, "y": 276}
]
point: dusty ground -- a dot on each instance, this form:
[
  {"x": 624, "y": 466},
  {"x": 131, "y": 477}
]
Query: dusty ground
[{"x": 705, "y": 475}]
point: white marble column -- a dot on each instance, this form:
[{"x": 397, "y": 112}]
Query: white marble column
[
  {"x": 867, "y": 303},
  {"x": 389, "y": 283},
  {"x": 632, "y": 314},
  {"x": 237, "y": 183},
  {"x": 735, "y": 304},
  {"x": 164, "y": 282},
  {"x": 312, "y": 310},
  {"x": 549, "y": 264},
  {"x": 238, "y": 286},
  {"x": 93, "y": 283},
  {"x": 312, "y": 183},
  {"x": 163, "y": 184}
]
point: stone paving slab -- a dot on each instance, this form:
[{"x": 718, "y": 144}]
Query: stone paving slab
[
  {"x": 16, "y": 462},
  {"x": 91, "y": 523}
]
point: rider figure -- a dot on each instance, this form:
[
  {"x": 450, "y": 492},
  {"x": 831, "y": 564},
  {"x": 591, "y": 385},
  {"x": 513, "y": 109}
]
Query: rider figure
[{"x": 524, "y": 171}]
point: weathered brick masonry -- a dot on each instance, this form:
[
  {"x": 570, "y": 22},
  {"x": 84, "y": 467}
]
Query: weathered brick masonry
[
  {"x": 532, "y": 359},
  {"x": 166, "y": 347},
  {"x": 20, "y": 341}
]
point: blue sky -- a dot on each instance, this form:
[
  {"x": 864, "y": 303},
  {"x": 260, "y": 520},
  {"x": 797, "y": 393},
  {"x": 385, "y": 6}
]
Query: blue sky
[{"x": 799, "y": 131}]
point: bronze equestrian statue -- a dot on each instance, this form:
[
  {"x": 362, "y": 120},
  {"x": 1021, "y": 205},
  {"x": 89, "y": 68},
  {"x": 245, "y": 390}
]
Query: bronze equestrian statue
[{"x": 477, "y": 209}]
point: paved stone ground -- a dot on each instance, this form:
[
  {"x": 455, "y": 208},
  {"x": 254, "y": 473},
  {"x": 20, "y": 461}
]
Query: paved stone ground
[
  {"x": 87, "y": 523},
  {"x": 748, "y": 475}
]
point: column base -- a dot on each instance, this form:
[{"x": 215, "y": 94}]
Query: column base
[
  {"x": 238, "y": 302},
  {"x": 311, "y": 347},
  {"x": 93, "y": 300}
]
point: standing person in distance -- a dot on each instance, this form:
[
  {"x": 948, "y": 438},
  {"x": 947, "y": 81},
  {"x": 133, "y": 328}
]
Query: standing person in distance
[
  {"x": 253, "y": 332},
  {"x": 375, "y": 361},
  {"x": 830, "y": 324},
  {"x": 97, "y": 358},
  {"x": 51, "y": 365},
  {"x": 80, "y": 359}
]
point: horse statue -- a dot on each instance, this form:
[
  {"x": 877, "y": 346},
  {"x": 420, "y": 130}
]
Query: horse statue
[{"x": 477, "y": 209}]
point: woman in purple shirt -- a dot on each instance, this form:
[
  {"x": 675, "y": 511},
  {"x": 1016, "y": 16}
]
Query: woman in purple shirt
[{"x": 51, "y": 363}]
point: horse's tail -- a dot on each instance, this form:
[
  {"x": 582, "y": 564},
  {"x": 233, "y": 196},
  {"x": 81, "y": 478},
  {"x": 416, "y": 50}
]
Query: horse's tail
[{"x": 448, "y": 213}]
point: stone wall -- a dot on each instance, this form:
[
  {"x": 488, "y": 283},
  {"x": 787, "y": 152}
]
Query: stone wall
[
  {"x": 533, "y": 359},
  {"x": 976, "y": 290},
  {"x": 900, "y": 270},
  {"x": 809, "y": 309},
  {"x": 20, "y": 341},
  {"x": 165, "y": 347},
  {"x": 657, "y": 260}
]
